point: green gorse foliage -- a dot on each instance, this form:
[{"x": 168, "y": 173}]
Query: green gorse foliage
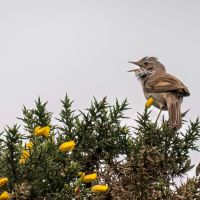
[{"x": 136, "y": 163}]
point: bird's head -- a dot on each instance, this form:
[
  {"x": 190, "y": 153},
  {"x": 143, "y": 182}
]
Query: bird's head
[{"x": 147, "y": 66}]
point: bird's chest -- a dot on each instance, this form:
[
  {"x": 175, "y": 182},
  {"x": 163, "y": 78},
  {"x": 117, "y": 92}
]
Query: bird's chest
[{"x": 159, "y": 99}]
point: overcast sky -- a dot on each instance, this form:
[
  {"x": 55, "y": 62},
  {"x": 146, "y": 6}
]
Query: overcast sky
[{"x": 52, "y": 47}]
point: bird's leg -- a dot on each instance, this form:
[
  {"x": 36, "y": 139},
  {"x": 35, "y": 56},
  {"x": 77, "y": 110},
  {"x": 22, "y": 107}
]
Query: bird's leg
[{"x": 158, "y": 116}]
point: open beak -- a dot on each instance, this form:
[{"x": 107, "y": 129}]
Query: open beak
[{"x": 134, "y": 70}]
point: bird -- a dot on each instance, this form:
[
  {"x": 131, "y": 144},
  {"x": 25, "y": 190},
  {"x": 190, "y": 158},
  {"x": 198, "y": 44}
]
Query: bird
[{"x": 166, "y": 90}]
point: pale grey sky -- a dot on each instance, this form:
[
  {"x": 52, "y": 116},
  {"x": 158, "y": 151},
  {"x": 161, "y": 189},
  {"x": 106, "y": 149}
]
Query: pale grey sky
[{"x": 53, "y": 47}]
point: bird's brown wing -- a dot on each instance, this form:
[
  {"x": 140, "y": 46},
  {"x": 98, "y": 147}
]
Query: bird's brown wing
[{"x": 165, "y": 83}]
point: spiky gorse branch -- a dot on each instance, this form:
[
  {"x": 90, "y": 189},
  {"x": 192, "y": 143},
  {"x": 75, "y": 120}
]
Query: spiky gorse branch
[
  {"x": 159, "y": 154},
  {"x": 81, "y": 156},
  {"x": 49, "y": 157}
]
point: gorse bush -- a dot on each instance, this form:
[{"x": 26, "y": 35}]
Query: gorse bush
[
  {"x": 44, "y": 161},
  {"x": 91, "y": 154}
]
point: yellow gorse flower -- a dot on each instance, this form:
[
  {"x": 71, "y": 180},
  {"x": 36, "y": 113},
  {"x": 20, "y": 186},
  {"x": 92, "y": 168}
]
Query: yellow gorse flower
[
  {"x": 149, "y": 102},
  {"x": 46, "y": 130},
  {"x": 89, "y": 178},
  {"x": 39, "y": 131},
  {"x": 24, "y": 157},
  {"x": 25, "y": 154},
  {"x": 36, "y": 131},
  {"x": 29, "y": 145},
  {"x": 5, "y": 196},
  {"x": 22, "y": 161},
  {"x": 67, "y": 146},
  {"x": 3, "y": 181},
  {"x": 99, "y": 188}
]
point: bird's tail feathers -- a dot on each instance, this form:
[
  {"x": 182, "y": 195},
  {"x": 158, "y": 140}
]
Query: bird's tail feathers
[{"x": 174, "y": 110}]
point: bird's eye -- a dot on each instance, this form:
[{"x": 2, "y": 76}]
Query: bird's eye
[{"x": 146, "y": 63}]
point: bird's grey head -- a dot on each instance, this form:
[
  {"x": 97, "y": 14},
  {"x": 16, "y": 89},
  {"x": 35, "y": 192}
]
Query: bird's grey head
[{"x": 148, "y": 65}]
